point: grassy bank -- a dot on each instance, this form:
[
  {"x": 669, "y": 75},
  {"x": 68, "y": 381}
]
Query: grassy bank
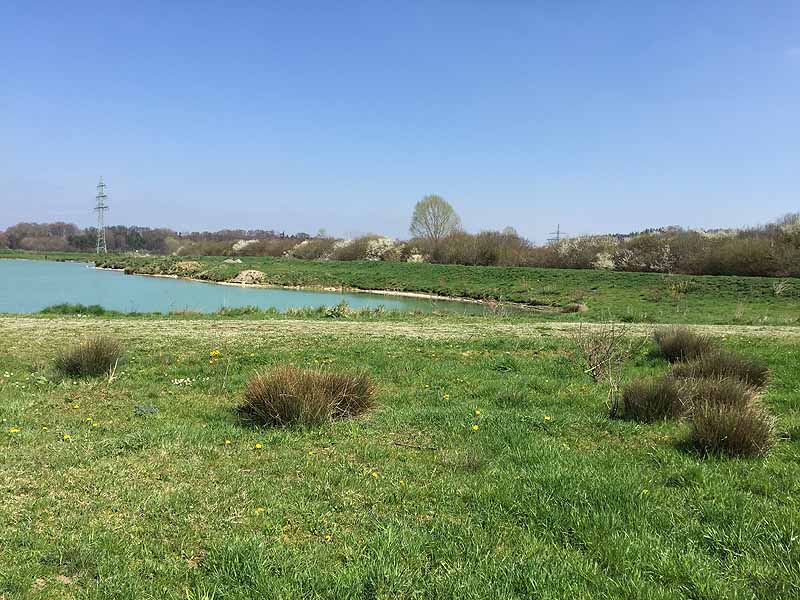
[
  {"x": 548, "y": 498},
  {"x": 634, "y": 297}
]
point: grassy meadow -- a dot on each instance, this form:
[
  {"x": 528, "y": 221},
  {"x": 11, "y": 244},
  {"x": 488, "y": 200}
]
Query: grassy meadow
[{"x": 488, "y": 469}]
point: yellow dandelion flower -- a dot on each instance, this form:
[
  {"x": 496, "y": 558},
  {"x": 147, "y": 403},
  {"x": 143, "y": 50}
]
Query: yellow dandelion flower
[
  {"x": 94, "y": 424},
  {"x": 14, "y": 430},
  {"x": 475, "y": 428},
  {"x": 477, "y": 413},
  {"x": 67, "y": 437},
  {"x": 76, "y": 406},
  {"x": 547, "y": 418},
  {"x": 375, "y": 474},
  {"x": 259, "y": 510},
  {"x": 227, "y": 442},
  {"x": 258, "y": 446},
  {"x": 327, "y": 538},
  {"x": 44, "y": 428}
]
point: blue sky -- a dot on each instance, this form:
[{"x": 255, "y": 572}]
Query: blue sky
[{"x": 600, "y": 116}]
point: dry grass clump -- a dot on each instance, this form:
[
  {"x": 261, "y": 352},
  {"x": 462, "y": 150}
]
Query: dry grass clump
[
  {"x": 651, "y": 400},
  {"x": 719, "y": 392},
  {"x": 727, "y": 417},
  {"x": 575, "y": 307},
  {"x": 722, "y": 428},
  {"x": 722, "y": 364},
  {"x": 288, "y": 395},
  {"x": 681, "y": 344},
  {"x": 90, "y": 358}
]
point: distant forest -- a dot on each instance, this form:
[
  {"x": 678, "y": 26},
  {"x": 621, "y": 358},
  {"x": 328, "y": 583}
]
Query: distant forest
[
  {"x": 66, "y": 237},
  {"x": 767, "y": 250}
]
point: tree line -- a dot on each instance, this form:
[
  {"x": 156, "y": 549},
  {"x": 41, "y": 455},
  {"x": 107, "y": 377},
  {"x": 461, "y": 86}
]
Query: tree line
[{"x": 438, "y": 236}]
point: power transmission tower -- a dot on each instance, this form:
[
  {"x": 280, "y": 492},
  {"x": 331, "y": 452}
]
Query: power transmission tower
[
  {"x": 557, "y": 233},
  {"x": 100, "y": 208}
]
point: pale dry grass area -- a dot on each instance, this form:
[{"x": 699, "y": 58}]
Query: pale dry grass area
[{"x": 153, "y": 329}]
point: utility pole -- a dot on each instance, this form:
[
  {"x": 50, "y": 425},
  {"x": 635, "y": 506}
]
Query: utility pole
[
  {"x": 100, "y": 208},
  {"x": 557, "y": 233}
]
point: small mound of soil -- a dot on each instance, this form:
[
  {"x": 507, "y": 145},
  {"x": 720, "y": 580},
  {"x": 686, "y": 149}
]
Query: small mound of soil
[
  {"x": 188, "y": 266},
  {"x": 249, "y": 276},
  {"x": 574, "y": 308}
]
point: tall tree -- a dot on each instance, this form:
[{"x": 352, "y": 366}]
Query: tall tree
[{"x": 433, "y": 219}]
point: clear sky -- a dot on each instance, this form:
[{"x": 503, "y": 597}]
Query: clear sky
[{"x": 601, "y": 116}]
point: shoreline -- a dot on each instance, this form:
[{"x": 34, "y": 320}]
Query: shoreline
[{"x": 344, "y": 289}]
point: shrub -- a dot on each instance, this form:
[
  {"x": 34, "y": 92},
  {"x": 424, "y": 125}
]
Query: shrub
[
  {"x": 575, "y": 307},
  {"x": 722, "y": 364},
  {"x": 384, "y": 248},
  {"x": 312, "y": 249},
  {"x": 288, "y": 395},
  {"x": 75, "y": 309},
  {"x": 89, "y": 358},
  {"x": 354, "y": 249},
  {"x": 719, "y": 392},
  {"x": 339, "y": 311},
  {"x": 604, "y": 349},
  {"x": 276, "y": 247},
  {"x": 681, "y": 343},
  {"x": 650, "y": 400},
  {"x": 747, "y": 430}
]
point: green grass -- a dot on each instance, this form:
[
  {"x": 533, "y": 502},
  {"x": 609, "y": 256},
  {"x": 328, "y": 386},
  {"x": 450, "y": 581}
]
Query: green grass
[
  {"x": 632, "y": 297},
  {"x": 548, "y": 498}
]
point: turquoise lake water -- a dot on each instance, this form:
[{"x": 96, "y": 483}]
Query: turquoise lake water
[{"x": 28, "y": 286}]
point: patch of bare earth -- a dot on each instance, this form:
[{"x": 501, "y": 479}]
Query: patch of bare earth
[{"x": 249, "y": 276}]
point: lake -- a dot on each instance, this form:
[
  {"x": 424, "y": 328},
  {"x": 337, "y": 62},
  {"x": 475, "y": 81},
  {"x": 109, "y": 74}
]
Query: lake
[{"x": 28, "y": 286}]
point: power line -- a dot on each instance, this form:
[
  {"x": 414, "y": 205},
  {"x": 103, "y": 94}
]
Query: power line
[
  {"x": 557, "y": 233},
  {"x": 100, "y": 208}
]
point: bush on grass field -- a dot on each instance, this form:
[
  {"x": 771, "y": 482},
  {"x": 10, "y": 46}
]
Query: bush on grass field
[
  {"x": 747, "y": 430},
  {"x": 719, "y": 392},
  {"x": 650, "y": 400},
  {"x": 681, "y": 343},
  {"x": 90, "y": 358},
  {"x": 722, "y": 364},
  {"x": 288, "y": 395}
]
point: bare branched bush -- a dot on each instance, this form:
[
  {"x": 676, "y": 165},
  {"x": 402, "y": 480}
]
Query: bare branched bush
[
  {"x": 90, "y": 358},
  {"x": 604, "y": 351},
  {"x": 679, "y": 288},
  {"x": 605, "y": 348},
  {"x": 681, "y": 343},
  {"x": 288, "y": 395},
  {"x": 493, "y": 306}
]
